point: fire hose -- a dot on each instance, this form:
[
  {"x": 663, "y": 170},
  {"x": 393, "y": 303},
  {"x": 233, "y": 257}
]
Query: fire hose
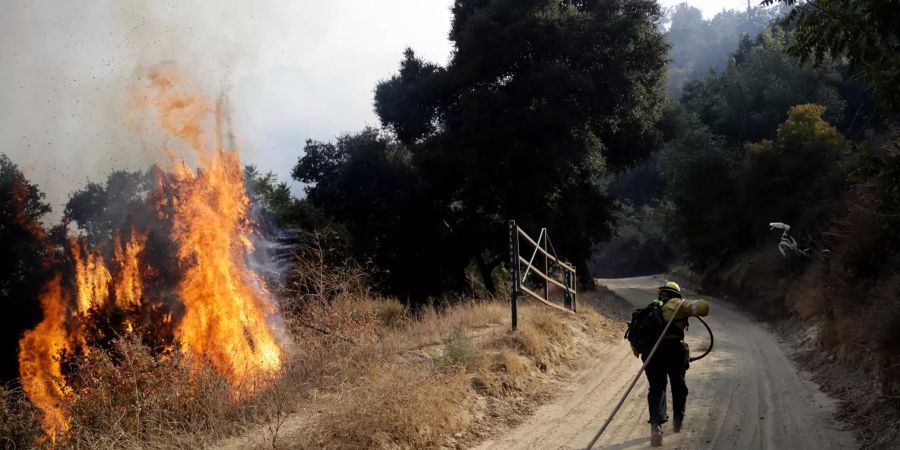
[
  {"x": 637, "y": 376},
  {"x": 712, "y": 340}
]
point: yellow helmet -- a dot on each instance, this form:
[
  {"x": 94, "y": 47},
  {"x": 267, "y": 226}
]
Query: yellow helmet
[{"x": 670, "y": 287}]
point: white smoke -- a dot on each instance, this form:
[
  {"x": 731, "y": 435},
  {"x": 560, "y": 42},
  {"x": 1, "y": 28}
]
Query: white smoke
[{"x": 293, "y": 69}]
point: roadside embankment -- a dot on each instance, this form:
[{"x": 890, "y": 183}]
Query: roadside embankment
[
  {"x": 447, "y": 379},
  {"x": 837, "y": 328}
]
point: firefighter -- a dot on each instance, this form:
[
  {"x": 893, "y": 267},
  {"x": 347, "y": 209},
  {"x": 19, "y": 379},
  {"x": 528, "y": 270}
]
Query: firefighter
[{"x": 671, "y": 360}]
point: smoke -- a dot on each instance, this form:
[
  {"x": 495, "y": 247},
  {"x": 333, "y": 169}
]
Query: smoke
[
  {"x": 293, "y": 70},
  {"x": 68, "y": 68}
]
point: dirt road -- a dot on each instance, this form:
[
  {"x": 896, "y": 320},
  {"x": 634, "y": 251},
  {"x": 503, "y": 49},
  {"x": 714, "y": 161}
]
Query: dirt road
[{"x": 745, "y": 395}]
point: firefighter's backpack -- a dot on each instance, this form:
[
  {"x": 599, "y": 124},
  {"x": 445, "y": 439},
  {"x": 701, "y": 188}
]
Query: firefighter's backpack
[{"x": 645, "y": 327}]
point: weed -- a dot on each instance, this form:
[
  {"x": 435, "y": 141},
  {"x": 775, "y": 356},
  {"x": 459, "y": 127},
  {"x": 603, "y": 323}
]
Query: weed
[
  {"x": 460, "y": 351},
  {"x": 20, "y": 422}
]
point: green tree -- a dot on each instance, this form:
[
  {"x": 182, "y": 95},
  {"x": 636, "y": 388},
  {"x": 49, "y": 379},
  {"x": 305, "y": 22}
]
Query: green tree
[
  {"x": 864, "y": 31},
  {"x": 751, "y": 97},
  {"x": 102, "y": 210},
  {"x": 406, "y": 103},
  {"x": 366, "y": 182},
  {"x": 27, "y": 262},
  {"x": 279, "y": 206},
  {"x": 704, "y": 220},
  {"x": 699, "y": 46},
  {"x": 295, "y": 223},
  {"x": 539, "y": 99},
  {"x": 797, "y": 177}
]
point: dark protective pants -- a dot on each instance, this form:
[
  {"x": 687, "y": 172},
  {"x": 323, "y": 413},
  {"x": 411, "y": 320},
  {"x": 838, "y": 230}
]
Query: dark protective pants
[{"x": 671, "y": 361}]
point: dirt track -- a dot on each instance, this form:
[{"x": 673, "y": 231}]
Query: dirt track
[{"x": 745, "y": 394}]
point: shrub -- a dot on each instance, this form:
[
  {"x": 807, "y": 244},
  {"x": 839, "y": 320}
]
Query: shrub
[{"x": 461, "y": 352}]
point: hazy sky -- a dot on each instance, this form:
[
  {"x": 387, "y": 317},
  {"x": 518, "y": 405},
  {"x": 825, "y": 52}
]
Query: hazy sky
[{"x": 294, "y": 70}]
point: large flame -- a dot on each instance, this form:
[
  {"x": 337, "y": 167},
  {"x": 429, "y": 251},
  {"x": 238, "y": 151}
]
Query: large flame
[
  {"x": 227, "y": 316},
  {"x": 91, "y": 276},
  {"x": 129, "y": 286},
  {"x": 39, "y": 365},
  {"x": 225, "y": 320}
]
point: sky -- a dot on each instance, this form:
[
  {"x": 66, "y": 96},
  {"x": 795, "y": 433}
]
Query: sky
[{"x": 293, "y": 70}]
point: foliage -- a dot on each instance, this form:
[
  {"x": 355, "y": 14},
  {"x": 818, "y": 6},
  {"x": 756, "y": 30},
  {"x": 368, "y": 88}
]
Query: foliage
[
  {"x": 99, "y": 210},
  {"x": 751, "y": 97},
  {"x": 700, "y": 46},
  {"x": 27, "y": 263},
  {"x": 295, "y": 224},
  {"x": 275, "y": 199},
  {"x": 864, "y": 31},
  {"x": 404, "y": 102},
  {"x": 869, "y": 234},
  {"x": 523, "y": 128},
  {"x": 704, "y": 220},
  {"x": 367, "y": 183},
  {"x": 797, "y": 177},
  {"x": 721, "y": 201}
]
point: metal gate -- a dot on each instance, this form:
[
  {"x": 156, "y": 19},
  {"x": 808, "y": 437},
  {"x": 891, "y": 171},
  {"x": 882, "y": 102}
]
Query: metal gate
[{"x": 544, "y": 246}]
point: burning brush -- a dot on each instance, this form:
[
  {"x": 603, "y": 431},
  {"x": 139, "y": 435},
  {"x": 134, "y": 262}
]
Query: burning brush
[{"x": 180, "y": 279}]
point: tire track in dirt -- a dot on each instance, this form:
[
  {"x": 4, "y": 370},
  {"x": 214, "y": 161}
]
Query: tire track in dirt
[{"x": 746, "y": 394}]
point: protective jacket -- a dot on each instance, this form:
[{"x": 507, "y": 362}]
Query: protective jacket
[{"x": 690, "y": 308}]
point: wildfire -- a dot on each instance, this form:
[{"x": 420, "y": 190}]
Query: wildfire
[
  {"x": 39, "y": 365},
  {"x": 129, "y": 287},
  {"x": 91, "y": 276},
  {"x": 226, "y": 315}
]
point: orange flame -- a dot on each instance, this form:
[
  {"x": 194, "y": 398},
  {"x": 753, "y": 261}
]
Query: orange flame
[
  {"x": 129, "y": 286},
  {"x": 91, "y": 276},
  {"x": 227, "y": 313},
  {"x": 39, "y": 365}
]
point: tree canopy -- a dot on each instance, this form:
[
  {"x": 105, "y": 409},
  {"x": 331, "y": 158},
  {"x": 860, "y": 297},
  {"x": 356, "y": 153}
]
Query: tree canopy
[
  {"x": 751, "y": 97},
  {"x": 700, "y": 46},
  {"x": 539, "y": 99},
  {"x": 863, "y": 31}
]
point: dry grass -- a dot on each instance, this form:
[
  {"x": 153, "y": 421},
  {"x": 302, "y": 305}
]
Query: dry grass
[
  {"x": 19, "y": 420},
  {"x": 513, "y": 366},
  {"x": 806, "y": 296},
  {"x": 416, "y": 383},
  {"x": 395, "y": 405},
  {"x": 460, "y": 351},
  {"x": 360, "y": 373}
]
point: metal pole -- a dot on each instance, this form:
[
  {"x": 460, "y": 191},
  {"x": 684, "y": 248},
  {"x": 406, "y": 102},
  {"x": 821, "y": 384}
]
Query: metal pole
[
  {"x": 514, "y": 269},
  {"x": 546, "y": 265}
]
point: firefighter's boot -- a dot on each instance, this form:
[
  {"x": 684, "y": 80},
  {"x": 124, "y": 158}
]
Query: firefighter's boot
[{"x": 655, "y": 435}]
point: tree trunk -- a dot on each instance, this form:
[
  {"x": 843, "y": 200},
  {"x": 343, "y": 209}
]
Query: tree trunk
[
  {"x": 585, "y": 280},
  {"x": 487, "y": 269}
]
